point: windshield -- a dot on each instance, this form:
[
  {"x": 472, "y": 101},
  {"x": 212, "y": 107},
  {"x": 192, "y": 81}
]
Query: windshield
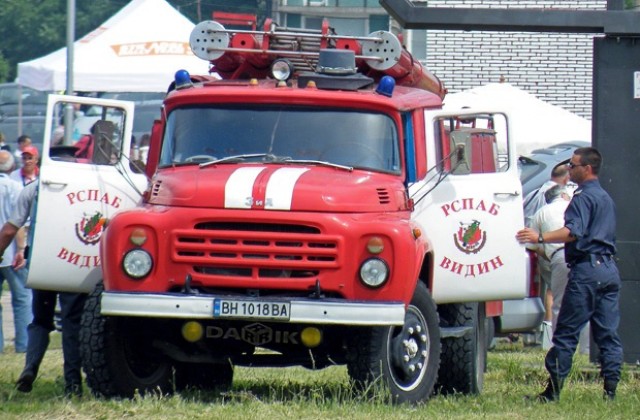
[{"x": 343, "y": 137}]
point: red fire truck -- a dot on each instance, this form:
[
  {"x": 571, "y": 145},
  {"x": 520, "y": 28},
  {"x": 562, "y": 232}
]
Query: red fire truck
[{"x": 306, "y": 203}]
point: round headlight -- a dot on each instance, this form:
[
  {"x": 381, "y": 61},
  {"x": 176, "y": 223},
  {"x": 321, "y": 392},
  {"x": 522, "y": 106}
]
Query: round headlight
[
  {"x": 282, "y": 69},
  {"x": 137, "y": 263},
  {"x": 374, "y": 272}
]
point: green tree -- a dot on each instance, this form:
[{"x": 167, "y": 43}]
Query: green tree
[
  {"x": 4, "y": 68},
  {"x": 30, "y": 29},
  {"x": 33, "y": 28}
]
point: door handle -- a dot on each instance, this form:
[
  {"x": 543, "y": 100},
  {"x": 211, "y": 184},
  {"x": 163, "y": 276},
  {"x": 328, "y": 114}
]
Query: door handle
[
  {"x": 53, "y": 183},
  {"x": 513, "y": 194}
]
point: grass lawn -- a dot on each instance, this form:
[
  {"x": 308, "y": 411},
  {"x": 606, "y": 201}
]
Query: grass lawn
[{"x": 513, "y": 372}]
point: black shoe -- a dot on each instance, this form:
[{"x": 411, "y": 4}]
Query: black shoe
[
  {"x": 545, "y": 397},
  {"x": 550, "y": 394},
  {"x": 25, "y": 381},
  {"x": 73, "y": 390},
  {"x": 610, "y": 390}
]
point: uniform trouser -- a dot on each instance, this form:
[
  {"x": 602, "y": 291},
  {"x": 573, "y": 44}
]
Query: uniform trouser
[
  {"x": 71, "y": 305},
  {"x": 592, "y": 294},
  {"x": 559, "y": 279}
]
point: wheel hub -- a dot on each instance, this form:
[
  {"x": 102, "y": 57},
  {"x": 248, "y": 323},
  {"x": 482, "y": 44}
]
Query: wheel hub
[{"x": 411, "y": 350}]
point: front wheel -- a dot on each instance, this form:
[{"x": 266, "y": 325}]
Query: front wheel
[
  {"x": 405, "y": 359},
  {"x": 117, "y": 355}
]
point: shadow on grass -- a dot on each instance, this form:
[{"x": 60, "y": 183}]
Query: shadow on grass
[{"x": 285, "y": 392}]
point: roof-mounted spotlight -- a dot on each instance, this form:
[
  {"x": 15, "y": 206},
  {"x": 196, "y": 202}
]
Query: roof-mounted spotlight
[
  {"x": 282, "y": 69},
  {"x": 183, "y": 79}
]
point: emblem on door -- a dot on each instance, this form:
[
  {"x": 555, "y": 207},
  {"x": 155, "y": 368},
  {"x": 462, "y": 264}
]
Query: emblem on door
[
  {"x": 90, "y": 228},
  {"x": 470, "y": 238}
]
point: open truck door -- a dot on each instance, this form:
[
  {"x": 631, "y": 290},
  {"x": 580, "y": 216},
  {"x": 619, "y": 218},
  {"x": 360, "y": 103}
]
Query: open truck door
[
  {"x": 471, "y": 207},
  {"x": 84, "y": 181}
]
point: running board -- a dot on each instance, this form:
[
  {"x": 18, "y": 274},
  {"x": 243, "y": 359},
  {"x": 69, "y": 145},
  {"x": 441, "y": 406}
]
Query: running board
[{"x": 455, "y": 332}]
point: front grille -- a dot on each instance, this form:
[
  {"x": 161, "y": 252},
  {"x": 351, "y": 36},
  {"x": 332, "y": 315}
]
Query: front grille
[{"x": 256, "y": 250}]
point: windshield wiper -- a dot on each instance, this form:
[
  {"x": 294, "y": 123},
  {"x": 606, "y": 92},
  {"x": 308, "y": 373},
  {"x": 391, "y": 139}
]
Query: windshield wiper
[
  {"x": 318, "y": 162},
  {"x": 271, "y": 158},
  {"x": 233, "y": 159}
]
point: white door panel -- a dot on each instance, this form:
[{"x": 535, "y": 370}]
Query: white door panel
[
  {"x": 76, "y": 199},
  {"x": 471, "y": 220}
]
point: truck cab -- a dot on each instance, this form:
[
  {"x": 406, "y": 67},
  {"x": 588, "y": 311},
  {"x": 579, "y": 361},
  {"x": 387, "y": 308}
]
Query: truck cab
[{"x": 287, "y": 215}]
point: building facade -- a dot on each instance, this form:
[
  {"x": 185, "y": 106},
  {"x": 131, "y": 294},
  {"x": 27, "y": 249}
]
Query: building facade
[
  {"x": 348, "y": 17},
  {"x": 555, "y": 67}
]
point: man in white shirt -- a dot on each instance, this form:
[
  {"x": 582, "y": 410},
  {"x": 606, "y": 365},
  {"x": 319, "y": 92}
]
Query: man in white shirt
[
  {"x": 535, "y": 200},
  {"x": 549, "y": 218}
]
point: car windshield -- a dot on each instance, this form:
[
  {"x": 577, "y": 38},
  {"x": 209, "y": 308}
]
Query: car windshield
[{"x": 343, "y": 137}]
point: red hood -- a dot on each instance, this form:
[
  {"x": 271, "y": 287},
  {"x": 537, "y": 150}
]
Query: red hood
[{"x": 278, "y": 187}]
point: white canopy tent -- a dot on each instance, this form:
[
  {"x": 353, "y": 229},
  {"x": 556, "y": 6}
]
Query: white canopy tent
[
  {"x": 535, "y": 124},
  {"x": 138, "y": 49}
]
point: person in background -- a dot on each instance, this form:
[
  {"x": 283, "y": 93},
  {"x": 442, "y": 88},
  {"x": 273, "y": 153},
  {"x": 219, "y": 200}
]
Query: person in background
[
  {"x": 43, "y": 308},
  {"x": 535, "y": 199},
  {"x": 30, "y": 170},
  {"x": 533, "y": 202},
  {"x": 23, "y": 141},
  {"x": 84, "y": 146},
  {"x": 143, "y": 148},
  {"x": 3, "y": 144},
  {"x": 58, "y": 133},
  {"x": 592, "y": 293},
  {"x": 15, "y": 277}
]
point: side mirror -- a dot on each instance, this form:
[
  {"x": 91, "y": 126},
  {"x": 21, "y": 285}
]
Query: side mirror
[
  {"x": 105, "y": 151},
  {"x": 460, "y": 141}
]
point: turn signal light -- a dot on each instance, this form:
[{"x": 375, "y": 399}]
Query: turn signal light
[
  {"x": 417, "y": 233},
  {"x": 375, "y": 245},
  {"x": 138, "y": 237}
]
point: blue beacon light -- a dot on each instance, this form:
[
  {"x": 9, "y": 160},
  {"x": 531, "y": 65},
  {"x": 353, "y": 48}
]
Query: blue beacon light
[
  {"x": 182, "y": 79},
  {"x": 386, "y": 86}
]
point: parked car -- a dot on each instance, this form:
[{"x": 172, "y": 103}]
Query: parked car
[
  {"x": 31, "y": 125},
  {"x": 535, "y": 168},
  {"x": 526, "y": 315},
  {"x": 18, "y": 100}
]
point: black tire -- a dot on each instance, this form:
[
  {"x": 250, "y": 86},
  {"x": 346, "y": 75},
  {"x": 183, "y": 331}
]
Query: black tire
[
  {"x": 118, "y": 359},
  {"x": 204, "y": 376},
  {"x": 403, "y": 359},
  {"x": 463, "y": 359}
]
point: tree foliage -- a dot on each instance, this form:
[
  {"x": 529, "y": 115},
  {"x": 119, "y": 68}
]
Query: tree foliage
[{"x": 33, "y": 28}]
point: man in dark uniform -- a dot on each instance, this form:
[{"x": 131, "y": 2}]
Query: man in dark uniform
[
  {"x": 43, "y": 307},
  {"x": 593, "y": 290}
]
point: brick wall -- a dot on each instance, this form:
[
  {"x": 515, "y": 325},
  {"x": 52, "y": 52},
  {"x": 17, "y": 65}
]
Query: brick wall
[{"x": 556, "y": 68}]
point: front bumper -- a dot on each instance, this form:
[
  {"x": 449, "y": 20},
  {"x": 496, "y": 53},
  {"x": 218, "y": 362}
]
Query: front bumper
[{"x": 303, "y": 311}]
